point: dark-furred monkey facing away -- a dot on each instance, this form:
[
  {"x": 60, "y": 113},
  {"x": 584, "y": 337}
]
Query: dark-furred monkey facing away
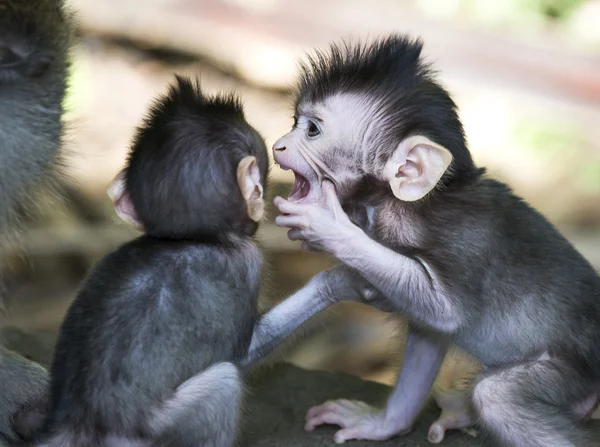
[
  {"x": 148, "y": 351},
  {"x": 385, "y": 183}
]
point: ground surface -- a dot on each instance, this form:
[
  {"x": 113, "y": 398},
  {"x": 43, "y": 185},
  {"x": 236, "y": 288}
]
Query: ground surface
[{"x": 279, "y": 397}]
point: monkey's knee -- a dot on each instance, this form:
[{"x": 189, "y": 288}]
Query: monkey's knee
[
  {"x": 204, "y": 410},
  {"x": 491, "y": 400},
  {"x": 223, "y": 381},
  {"x": 208, "y": 394}
]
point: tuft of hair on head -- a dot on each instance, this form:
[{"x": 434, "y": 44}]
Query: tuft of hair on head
[
  {"x": 390, "y": 73},
  {"x": 181, "y": 170}
]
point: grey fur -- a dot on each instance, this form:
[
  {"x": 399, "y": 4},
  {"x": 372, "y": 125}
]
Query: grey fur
[
  {"x": 148, "y": 351},
  {"x": 470, "y": 264},
  {"x": 35, "y": 38},
  {"x": 38, "y": 35},
  {"x": 23, "y": 386}
]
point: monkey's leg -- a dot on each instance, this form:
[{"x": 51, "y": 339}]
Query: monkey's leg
[
  {"x": 532, "y": 405},
  {"x": 457, "y": 413},
  {"x": 203, "y": 412},
  {"x": 422, "y": 361},
  {"x": 23, "y": 392}
]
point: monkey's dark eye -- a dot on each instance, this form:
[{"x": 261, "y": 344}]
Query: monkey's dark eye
[{"x": 313, "y": 130}]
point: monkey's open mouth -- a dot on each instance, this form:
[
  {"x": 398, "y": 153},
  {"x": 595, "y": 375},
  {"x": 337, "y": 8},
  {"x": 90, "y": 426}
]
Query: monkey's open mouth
[{"x": 301, "y": 188}]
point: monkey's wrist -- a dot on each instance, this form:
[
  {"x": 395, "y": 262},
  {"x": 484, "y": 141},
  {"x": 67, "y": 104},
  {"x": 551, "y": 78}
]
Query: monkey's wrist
[{"x": 349, "y": 244}]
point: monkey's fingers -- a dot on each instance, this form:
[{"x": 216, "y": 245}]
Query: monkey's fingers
[
  {"x": 288, "y": 207},
  {"x": 295, "y": 234},
  {"x": 309, "y": 248},
  {"x": 357, "y": 433},
  {"x": 325, "y": 418},
  {"x": 292, "y": 221},
  {"x": 358, "y": 420},
  {"x": 330, "y": 196}
]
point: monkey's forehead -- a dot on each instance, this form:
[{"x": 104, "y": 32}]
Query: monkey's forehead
[{"x": 388, "y": 64}]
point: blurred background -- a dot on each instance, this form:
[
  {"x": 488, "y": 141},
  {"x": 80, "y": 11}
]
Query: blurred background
[{"x": 525, "y": 74}]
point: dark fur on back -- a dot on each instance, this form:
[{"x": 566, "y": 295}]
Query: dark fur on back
[
  {"x": 159, "y": 311},
  {"x": 181, "y": 172},
  {"x": 391, "y": 73},
  {"x": 35, "y": 37}
]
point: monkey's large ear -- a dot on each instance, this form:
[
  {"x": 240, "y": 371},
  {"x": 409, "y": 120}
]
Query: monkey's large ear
[
  {"x": 415, "y": 167},
  {"x": 248, "y": 177},
  {"x": 122, "y": 202}
]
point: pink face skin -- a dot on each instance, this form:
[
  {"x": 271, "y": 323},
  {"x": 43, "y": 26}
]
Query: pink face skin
[
  {"x": 291, "y": 152},
  {"x": 324, "y": 135},
  {"x": 326, "y": 143}
]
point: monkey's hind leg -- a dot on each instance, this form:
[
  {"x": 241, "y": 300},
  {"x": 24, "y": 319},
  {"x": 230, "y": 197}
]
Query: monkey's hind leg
[
  {"x": 530, "y": 405},
  {"x": 456, "y": 414},
  {"x": 204, "y": 411}
]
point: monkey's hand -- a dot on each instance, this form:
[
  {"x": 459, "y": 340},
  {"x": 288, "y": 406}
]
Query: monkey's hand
[
  {"x": 343, "y": 284},
  {"x": 358, "y": 420},
  {"x": 322, "y": 226}
]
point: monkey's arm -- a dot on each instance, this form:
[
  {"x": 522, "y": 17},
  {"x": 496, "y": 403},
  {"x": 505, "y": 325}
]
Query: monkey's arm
[
  {"x": 409, "y": 284},
  {"x": 323, "y": 290}
]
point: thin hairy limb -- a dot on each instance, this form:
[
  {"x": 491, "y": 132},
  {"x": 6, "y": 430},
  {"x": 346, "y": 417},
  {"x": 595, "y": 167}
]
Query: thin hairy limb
[
  {"x": 408, "y": 283},
  {"x": 323, "y": 290},
  {"x": 422, "y": 361}
]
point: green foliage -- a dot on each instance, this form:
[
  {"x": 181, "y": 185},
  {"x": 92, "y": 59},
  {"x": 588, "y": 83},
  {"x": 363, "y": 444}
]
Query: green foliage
[
  {"x": 507, "y": 11},
  {"x": 553, "y": 140},
  {"x": 588, "y": 177},
  {"x": 78, "y": 85},
  {"x": 552, "y": 9},
  {"x": 548, "y": 138}
]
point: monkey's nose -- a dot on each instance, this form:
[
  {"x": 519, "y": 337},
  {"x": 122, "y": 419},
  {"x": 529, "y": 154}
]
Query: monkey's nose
[{"x": 280, "y": 148}]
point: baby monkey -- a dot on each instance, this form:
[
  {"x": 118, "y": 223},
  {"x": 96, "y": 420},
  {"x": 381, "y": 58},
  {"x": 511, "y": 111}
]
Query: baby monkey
[{"x": 148, "y": 351}]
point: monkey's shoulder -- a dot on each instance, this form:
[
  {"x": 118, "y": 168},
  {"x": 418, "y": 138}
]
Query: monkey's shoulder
[
  {"x": 145, "y": 288},
  {"x": 147, "y": 266},
  {"x": 485, "y": 225}
]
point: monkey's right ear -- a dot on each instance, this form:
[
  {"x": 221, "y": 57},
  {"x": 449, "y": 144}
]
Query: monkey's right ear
[
  {"x": 122, "y": 202},
  {"x": 415, "y": 167},
  {"x": 248, "y": 177}
]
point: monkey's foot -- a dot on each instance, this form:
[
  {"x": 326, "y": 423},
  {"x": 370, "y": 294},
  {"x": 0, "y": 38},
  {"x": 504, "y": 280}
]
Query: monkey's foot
[
  {"x": 456, "y": 414},
  {"x": 357, "y": 419}
]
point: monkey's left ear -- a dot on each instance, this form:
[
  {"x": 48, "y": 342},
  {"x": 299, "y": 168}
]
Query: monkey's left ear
[
  {"x": 122, "y": 202},
  {"x": 248, "y": 177},
  {"x": 415, "y": 167}
]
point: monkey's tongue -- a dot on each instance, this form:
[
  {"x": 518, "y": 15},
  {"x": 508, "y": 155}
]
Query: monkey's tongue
[{"x": 301, "y": 188}]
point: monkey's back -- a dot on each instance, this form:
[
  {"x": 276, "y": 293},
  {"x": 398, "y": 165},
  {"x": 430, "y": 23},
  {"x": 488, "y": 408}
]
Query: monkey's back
[
  {"x": 509, "y": 268},
  {"x": 151, "y": 315}
]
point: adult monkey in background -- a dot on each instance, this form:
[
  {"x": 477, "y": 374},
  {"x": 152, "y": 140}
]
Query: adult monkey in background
[
  {"x": 386, "y": 184},
  {"x": 35, "y": 37}
]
